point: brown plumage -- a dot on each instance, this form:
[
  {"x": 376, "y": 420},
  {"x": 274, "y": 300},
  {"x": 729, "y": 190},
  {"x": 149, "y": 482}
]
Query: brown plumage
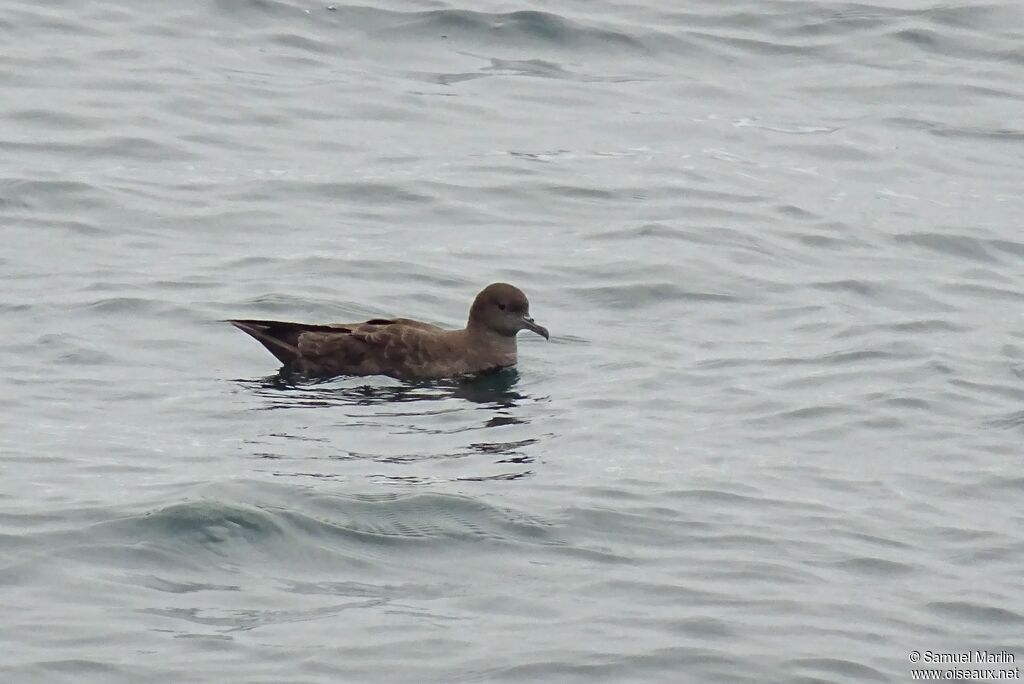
[{"x": 404, "y": 348}]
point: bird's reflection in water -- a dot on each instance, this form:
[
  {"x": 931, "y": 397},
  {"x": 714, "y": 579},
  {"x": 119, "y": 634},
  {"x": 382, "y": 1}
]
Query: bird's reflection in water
[
  {"x": 407, "y": 480},
  {"x": 286, "y": 391},
  {"x": 373, "y": 402}
]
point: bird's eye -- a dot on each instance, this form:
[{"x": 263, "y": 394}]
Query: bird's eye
[{"x": 501, "y": 306}]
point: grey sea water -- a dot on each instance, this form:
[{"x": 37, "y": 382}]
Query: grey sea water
[{"x": 776, "y": 435}]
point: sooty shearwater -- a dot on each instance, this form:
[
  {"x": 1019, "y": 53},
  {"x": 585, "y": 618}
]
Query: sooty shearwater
[{"x": 404, "y": 348}]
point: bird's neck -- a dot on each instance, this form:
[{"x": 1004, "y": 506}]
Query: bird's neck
[{"x": 493, "y": 348}]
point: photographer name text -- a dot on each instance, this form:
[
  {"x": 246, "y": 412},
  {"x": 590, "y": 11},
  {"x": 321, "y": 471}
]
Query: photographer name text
[{"x": 962, "y": 657}]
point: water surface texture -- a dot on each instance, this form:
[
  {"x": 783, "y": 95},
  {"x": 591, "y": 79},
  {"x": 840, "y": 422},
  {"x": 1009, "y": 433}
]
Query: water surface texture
[{"x": 776, "y": 434}]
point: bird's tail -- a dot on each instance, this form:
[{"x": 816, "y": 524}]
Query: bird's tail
[{"x": 279, "y": 337}]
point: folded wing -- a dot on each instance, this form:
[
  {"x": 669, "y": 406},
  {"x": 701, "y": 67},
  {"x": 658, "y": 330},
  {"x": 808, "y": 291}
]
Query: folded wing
[{"x": 398, "y": 347}]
